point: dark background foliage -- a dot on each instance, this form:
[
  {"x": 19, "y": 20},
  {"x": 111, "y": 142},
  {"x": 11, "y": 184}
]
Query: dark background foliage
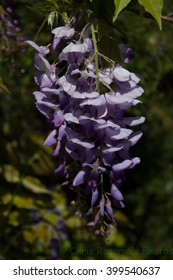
[{"x": 39, "y": 219}]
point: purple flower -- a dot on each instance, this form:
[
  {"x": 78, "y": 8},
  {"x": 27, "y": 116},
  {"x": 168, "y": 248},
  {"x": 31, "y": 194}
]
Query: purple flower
[
  {"x": 92, "y": 135},
  {"x": 63, "y": 33},
  {"x": 126, "y": 54},
  {"x": 10, "y": 27}
]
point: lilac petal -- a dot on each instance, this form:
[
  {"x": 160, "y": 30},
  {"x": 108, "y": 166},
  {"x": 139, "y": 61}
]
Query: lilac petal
[
  {"x": 89, "y": 44},
  {"x": 133, "y": 121},
  {"x": 69, "y": 117},
  {"x": 91, "y": 224},
  {"x": 94, "y": 198},
  {"x": 84, "y": 95},
  {"x": 58, "y": 118},
  {"x": 38, "y": 95},
  {"x": 57, "y": 149},
  {"x": 122, "y": 101},
  {"x": 134, "y": 78},
  {"x": 50, "y": 140},
  {"x": 118, "y": 135},
  {"x": 45, "y": 81},
  {"x": 121, "y": 74},
  {"x": 112, "y": 149},
  {"x": 69, "y": 88},
  {"x": 63, "y": 31},
  {"x": 85, "y": 119},
  {"x": 135, "y": 138},
  {"x": 105, "y": 77},
  {"x": 61, "y": 133},
  {"x": 48, "y": 104},
  {"x": 106, "y": 124},
  {"x": 126, "y": 54},
  {"x": 135, "y": 92},
  {"x": 42, "y": 64},
  {"x": 102, "y": 111},
  {"x": 78, "y": 95},
  {"x": 135, "y": 161},
  {"x": 102, "y": 205},
  {"x": 79, "y": 179},
  {"x": 123, "y": 165},
  {"x": 89, "y": 212},
  {"x": 60, "y": 34},
  {"x": 47, "y": 112},
  {"x": 42, "y": 49},
  {"x": 76, "y": 48},
  {"x": 60, "y": 168},
  {"x": 116, "y": 193},
  {"x": 95, "y": 101},
  {"x": 109, "y": 209},
  {"x": 56, "y": 43},
  {"x": 97, "y": 218},
  {"x": 83, "y": 144},
  {"x": 48, "y": 91}
]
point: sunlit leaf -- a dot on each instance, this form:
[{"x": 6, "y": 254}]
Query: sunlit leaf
[
  {"x": 29, "y": 235},
  {"x": 119, "y": 6},
  {"x": 73, "y": 222},
  {"x": 120, "y": 216},
  {"x": 6, "y": 198},
  {"x": 50, "y": 217},
  {"x": 14, "y": 219},
  {"x": 35, "y": 185},
  {"x": 3, "y": 86},
  {"x": 43, "y": 233},
  {"x": 10, "y": 173},
  {"x": 24, "y": 202},
  {"x": 58, "y": 199},
  {"x": 116, "y": 238},
  {"x": 154, "y": 7}
]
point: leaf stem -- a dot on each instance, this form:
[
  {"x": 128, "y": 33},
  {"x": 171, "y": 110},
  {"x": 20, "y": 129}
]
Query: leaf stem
[{"x": 96, "y": 54}]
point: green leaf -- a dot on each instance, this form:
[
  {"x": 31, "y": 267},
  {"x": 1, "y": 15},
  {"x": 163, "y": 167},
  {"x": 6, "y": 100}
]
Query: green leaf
[
  {"x": 14, "y": 219},
  {"x": 38, "y": 232},
  {"x": 10, "y": 173},
  {"x": 119, "y": 6},
  {"x": 6, "y": 198},
  {"x": 50, "y": 217},
  {"x": 34, "y": 185},
  {"x": 3, "y": 86},
  {"x": 24, "y": 202},
  {"x": 154, "y": 7}
]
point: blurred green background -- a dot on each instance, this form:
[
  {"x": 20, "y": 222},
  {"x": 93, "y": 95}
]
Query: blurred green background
[{"x": 37, "y": 218}]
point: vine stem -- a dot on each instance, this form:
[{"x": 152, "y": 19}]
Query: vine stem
[
  {"x": 41, "y": 27},
  {"x": 96, "y": 55}
]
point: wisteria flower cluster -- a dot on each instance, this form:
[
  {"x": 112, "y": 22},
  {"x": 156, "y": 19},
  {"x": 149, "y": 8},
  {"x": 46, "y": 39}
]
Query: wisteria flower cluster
[
  {"x": 10, "y": 26},
  {"x": 85, "y": 102}
]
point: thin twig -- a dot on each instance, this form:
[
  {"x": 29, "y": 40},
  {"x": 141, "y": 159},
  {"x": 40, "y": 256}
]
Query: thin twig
[{"x": 147, "y": 15}]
